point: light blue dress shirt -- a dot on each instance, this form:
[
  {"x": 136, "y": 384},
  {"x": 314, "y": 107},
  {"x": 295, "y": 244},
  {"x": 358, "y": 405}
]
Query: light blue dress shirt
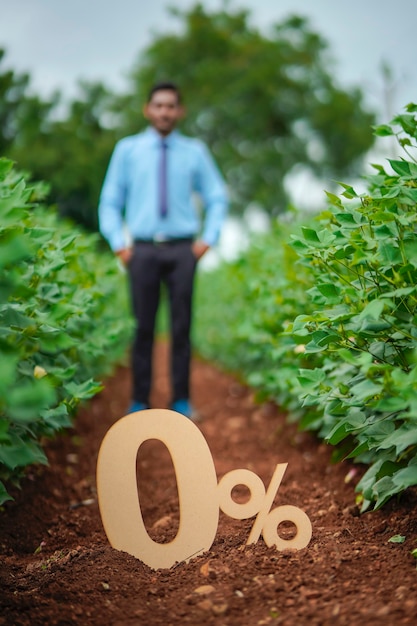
[{"x": 130, "y": 194}]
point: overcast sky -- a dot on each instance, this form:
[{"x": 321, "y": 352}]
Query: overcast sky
[{"x": 60, "y": 41}]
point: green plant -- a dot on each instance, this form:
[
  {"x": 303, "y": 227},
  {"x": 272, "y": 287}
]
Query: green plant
[
  {"x": 327, "y": 326},
  {"x": 244, "y": 309},
  {"x": 63, "y": 321},
  {"x": 363, "y": 255}
]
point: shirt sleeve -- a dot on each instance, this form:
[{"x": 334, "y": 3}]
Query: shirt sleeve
[
  {"x": 212, "y": 188},
  {"x": 113, "y": 199}
]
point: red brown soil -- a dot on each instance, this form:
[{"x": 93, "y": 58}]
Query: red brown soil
[{"x": 57, "y": 567}]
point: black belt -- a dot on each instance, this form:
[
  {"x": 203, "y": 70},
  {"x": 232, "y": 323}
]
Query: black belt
[{"x": 162, "y": 241}]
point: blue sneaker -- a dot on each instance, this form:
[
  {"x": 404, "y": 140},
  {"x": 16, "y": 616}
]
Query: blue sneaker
[
  {"x": 184, "y": 407},
  {"x": 137, "y": 406}
]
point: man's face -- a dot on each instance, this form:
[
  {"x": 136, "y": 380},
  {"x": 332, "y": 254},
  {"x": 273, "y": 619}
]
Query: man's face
[{"x": 163, "y": 111}]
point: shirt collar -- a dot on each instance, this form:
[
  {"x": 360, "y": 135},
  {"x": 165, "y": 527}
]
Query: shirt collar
[{"x": 156, "y": 138}]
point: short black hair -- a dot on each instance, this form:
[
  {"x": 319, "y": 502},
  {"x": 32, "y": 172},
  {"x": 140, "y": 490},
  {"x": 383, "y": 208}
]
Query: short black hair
[{"x": 164, "y": 86}]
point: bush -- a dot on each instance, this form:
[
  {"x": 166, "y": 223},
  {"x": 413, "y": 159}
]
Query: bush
[
  {"x": 63, "y": 321},
  {"x": 332, "y": 335},
  {"x": 244, "y": 309},
  {"x": 363, "y": 255}
]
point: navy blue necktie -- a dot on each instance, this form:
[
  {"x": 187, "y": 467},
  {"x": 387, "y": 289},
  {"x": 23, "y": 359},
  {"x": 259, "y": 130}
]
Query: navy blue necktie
[{"x": 163, "y": 196}]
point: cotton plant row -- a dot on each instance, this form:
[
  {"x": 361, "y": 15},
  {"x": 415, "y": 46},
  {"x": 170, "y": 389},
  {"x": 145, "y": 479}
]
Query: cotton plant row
[
  {"x": 363, "y": 253},
  {"x": 61, "y": 322},
  {"x": 324, "y": 321},
  {"x": 244, "y": 309}
]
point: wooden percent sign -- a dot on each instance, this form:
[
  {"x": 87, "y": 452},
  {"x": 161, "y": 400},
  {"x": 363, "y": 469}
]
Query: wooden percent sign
[{"x": 200, "y": 496}]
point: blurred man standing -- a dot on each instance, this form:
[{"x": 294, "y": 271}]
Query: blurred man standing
[{"x": 149, "y": 189}]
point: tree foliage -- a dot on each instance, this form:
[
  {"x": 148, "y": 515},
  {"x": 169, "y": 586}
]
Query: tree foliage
[
  {"x": 264, "y": 104},
  {"x": 12, "y": 98},
  {"x": 71, "y": 153},
  {"x": 67, "y": 146}
]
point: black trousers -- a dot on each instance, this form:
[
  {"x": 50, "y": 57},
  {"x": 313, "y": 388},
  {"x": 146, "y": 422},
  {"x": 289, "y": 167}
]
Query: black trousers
[{"x": 153, "y": 264}]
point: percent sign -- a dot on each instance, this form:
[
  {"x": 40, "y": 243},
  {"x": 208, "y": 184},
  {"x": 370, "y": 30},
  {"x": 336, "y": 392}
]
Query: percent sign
[
  {"x": 200, "y": 496},
  {"x": 260, "y": 503}
]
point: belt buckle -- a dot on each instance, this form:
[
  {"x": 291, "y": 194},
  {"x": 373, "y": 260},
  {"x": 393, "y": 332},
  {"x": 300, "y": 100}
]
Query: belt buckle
[{"x": 160, "y": 238}]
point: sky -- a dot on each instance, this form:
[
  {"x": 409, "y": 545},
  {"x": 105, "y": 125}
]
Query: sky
[{"x": 60, "y": 41}]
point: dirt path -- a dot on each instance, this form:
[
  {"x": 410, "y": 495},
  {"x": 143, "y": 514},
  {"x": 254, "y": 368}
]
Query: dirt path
[{"x": 57, "y": 567}]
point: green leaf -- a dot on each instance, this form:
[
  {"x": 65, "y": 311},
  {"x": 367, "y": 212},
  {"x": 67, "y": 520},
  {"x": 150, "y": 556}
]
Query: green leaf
[
  {"x": 407, "y": 122},
  {"x": 392, "y": 404},
  {"x": 4, "y": 430},
  {"x": 372, "y": 310},
  {"x": 399, "y": 293},
  {"x": 14, "y": 248},
  {"x": 308, "y": 377},
  {"x": 397, "y": 539},
  {"x": 11, "y": 316},
  {"x": 349, "y": 191},
  {"x": 4, "y": 496},
  {"x": 83, "y": 391},
  {"x": 340, "y": 432},
  {"x": 384, "y": 231},
  {"x": 383, "y": 130},
  {"x": 358, "y": 450},
  {"x": 383, "y": 490},
  {"x": 369, "y": 327},
  {"x": 402, "y": 438},
  {"x": 25, "y": 401},
  {"x": 20, "y": 453},
  {"x": 365, "y": 390},
  {"x": 391, "y": 192},
  {"x": 300, "y": 323},
  {"x": 335, "y": 200},
  {"x": 57, "y": 417},
  {"x": 404, "y": 142},
  {"x": 321, "y": 339},
  {"x": 406, "y": 477},
  {"x": 410, "y": 248},
  {"x": 6, "y": 166},
  {"x": 310, "y": 234},
  {"x": 346, "y": 219},
  {"x": 299, "y": 246},
  {"x": 400, "y": 167},
  {"x": 8, "y": 369},
  {"x": 329, "y": 290}
]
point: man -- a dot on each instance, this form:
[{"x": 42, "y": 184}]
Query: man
[{"x": 150, "y": 189}]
